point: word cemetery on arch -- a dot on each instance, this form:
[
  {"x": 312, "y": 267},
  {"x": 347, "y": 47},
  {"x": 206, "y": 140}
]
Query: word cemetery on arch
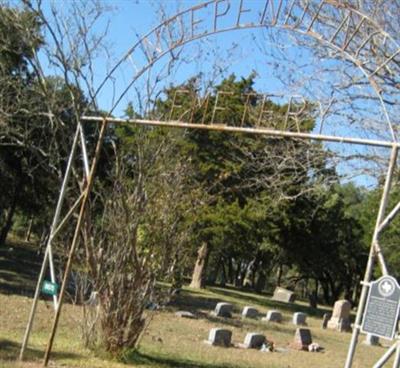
[{"x": 295, "y": 109}]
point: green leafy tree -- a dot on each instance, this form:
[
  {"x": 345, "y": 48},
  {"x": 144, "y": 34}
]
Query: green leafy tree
[{"x": 237, "y": 170}]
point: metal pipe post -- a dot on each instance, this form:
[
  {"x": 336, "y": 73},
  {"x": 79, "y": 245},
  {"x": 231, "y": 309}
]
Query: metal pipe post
[
  {"x": 75, "y": 239},
  {"x": 374, "y": 250},
  {"x": 84, "y": 151},
  {"x": 396, "y": 363},
  {"x": 51, "y": 266},
  {"x": 48, "y": 245},
  {"x": 385, "y": 357},
  {"x": 382, "y": 208},
  {"x": 247, "y": 130}
]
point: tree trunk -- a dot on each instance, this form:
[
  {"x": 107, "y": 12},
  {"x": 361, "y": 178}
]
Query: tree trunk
[
  {"x": 313, "y": 296},
  {"x": 9, "y": 220},
  {"x": 29, "y": 231},
  {"x": 261, "y": 281},
  {"x": 43, "y": 240},
  {"x": 213, "y": 274},
  {"x": 326, "y": 293},
  {"x": 230, "y": 271},
  {"x": 279, "y": 275},
  {"x": 238, "y": 281},
  {"x": 254, "y": 274},
  {"x": 356, "y": 290},
  {"x": 348, "y": 291},
  {"x": 199, "y": 271},
  {"x": 223, "y": 273}
]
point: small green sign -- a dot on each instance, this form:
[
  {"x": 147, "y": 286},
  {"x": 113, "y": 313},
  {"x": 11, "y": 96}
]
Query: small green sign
[{"x": 49, "y": 288}]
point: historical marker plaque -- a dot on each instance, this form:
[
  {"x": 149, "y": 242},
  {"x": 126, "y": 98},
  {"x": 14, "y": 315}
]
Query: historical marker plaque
[{"x": 382, "y": 310}]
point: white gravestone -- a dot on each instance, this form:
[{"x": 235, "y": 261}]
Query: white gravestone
[
  {"x": 284, "y": 295},
  {"x": 340, "y": 319},
  {"x": 302, "y": 339},
  {"x": 249, "y": 312},
  {"x": 254, "y": 340},
  {"x": 299, "y": 319},
  {"x": 219, "y": 337},
  {"x": 273, "y": 316},
  {"x": 325, "y": 320},
  {"x": 223, "y": 310},
  {"x": 371, "y": 340}
]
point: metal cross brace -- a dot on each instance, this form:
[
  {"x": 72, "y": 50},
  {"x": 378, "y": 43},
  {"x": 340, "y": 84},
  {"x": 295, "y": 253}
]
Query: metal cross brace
[{"x": 56, "y": 226}]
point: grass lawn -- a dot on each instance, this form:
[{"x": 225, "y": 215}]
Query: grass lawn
[{"x": 169, "y": 341}]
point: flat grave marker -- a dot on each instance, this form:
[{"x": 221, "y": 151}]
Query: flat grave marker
[{"x": 284, "y": 295}]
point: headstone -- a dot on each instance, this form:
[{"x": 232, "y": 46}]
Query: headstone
[
  {"x": 219, "y": 337},
  {"x": 185, "y": 314},
  {"x": 344, "y": 326},
  {"x": 371, "y": 340},
  {"x": 249, "y": 312},
  {"x": 325, "y": 320},
  {"x": 299, "y": 319},
  {"x": 284, "y": 295},
  {"x": 302, "y": 339},
  {"x": 223, "y": 310},
  {"x": 273, "y": 316},
  {"x": 254, "y": 340},
  {"x": 340, "y": 319},
  {"x": 381, "y": 313}
]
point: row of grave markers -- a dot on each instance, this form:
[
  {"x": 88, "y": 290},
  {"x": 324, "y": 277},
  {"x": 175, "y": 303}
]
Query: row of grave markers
[
  {"x": 339, "y": 320},
  {"x": 256, "y": 340},
  {"x": 225, "y": 310}
]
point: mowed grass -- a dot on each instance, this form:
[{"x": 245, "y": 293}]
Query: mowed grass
[{"x": 171, "y": 341}]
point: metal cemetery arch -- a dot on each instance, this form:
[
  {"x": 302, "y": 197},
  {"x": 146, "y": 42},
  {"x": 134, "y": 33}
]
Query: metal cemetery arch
[{"x": 350, "y": 33}]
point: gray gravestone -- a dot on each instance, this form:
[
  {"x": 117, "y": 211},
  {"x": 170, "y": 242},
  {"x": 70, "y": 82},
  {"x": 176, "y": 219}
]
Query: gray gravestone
[
  {"x": 249, "y": 312},
  {"x": 382, "y": 309},
  {"x": 223, "y": 310},
  {"x": 299, "y": 319},
  {"x": 340, "y": 319},
  {"x": 302, "y": 339},
  {"x": 219, "y": 337},
  {"x": 325, "y": 320},
  {"x": 273, "y": 316},
  {"x": 284, "y": 295},
  {"x": 371, "y": 340},
  {"x": 254, "y": 340}
]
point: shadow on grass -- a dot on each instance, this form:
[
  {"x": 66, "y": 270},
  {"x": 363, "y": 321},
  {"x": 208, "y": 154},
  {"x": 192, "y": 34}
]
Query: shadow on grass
[
  {"x": 136, "y": 357},
  {"x": 19, "y": 267},
  {"x": 9, "y": 350},
  {"x": 192, "y": 300}
]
